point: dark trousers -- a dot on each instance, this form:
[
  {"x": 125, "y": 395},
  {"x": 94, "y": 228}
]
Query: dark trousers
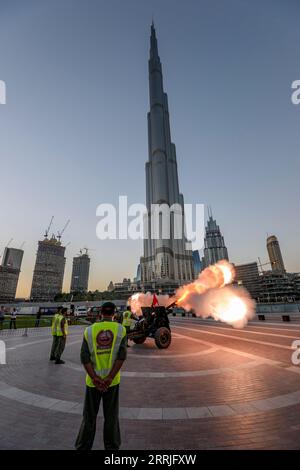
[
  {"x": 127, "y": 328},
  {"x": 13, "y": 323},
  {"x": 60, "y": 347},
  {"x": 111, "y": 429},
  {"x": 53, "y": 348}
]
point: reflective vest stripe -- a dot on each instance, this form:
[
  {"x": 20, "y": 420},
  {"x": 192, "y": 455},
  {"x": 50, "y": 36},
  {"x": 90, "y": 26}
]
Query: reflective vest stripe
[
  {"x": 89, "y": 333},
  {"x": 117, "y": 343},
  {"x": 55, "y": 324}
]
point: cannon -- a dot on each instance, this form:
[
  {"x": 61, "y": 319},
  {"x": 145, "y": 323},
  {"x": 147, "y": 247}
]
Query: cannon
[{"x": 153, "y": 324}]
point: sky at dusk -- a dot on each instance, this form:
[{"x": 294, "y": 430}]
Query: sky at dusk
[{"x": 73, "y": 133}]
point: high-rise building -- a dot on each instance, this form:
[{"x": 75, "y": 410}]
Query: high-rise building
[
  {"x": 214, "y": 245},
  {"x": 49, "y": 270},
  {"x": 166, "y": 261},
  {"x": 138, "y": 273},
  {"x": 110, "y": 287},
  {"x": 12, "y": 258},
  {"x": 247, "y": 275},
  {"x": 9, "y": 273},
  {"x": 80, "y": 273},
  {"x": 275, "y": 255},
  {"x": 197, "y": 263},
  {"x": 279, "y": 286}
]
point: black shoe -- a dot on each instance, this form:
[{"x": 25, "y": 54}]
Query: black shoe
[
  {"x": 59, "y": 361},
  {"x": 52, "y": 358}
]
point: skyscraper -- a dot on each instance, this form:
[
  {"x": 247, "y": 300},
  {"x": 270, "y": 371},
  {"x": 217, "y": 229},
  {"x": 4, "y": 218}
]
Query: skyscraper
[
  {"x": 247, "y": 275},
  {"x": 49, "y": 270},
  {"x": 214, "y": 246},
  {"x": 197, "y": 263},
  {"x": 80, "y": 273},
  {"x": 166, "y": 261},
  {"x": 275, "y": 255},
  {"x": 9, "y": 273}
]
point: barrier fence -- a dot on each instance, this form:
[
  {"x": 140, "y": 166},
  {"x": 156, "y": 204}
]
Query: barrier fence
[{"x": 45, "y": 330}]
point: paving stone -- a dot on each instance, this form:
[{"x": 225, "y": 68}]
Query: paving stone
[
  {"x": 175, "y": 413},
  {"x": 213, "y": 394},
  {"x": 221, "y": 410},
  {"x": 150, "y": 413},
  {"x": 200, "y": 412}
]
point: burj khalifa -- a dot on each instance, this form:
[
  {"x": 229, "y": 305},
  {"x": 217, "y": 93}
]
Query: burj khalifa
[{"x": 166, "y": 261}]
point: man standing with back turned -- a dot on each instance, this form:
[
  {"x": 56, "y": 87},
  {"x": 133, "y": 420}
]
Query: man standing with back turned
[
  {"x": 54, "y": 329},
  {"x": 62, "y": 332},
  {"x": 103, "y": 352}
]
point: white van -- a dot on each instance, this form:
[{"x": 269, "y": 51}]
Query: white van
[{"x": 80, "y": 311}]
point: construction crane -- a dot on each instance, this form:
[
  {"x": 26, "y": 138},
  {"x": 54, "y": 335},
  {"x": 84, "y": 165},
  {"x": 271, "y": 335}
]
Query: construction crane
[
  {"x": 87, "y": 250},
  {"x": 59, "y": 234},
  {"x": 48, "y": 228},
  {"x": 264, "y": 264}
]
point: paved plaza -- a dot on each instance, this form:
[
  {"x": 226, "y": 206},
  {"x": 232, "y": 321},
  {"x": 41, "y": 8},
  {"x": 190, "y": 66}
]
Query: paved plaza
[{"x": 214, "y": 388}]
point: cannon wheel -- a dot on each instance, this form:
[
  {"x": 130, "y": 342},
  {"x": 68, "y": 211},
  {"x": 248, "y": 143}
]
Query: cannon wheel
[
  {"x": 139, "y": 340},
  {"x": 163, "y": 338}
]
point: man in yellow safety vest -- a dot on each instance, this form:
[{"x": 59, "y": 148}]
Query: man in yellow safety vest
[
  {"x": 127, "y": 321},
  {"x": 54, "y": 333},
  {"x": 103, "y": 353},
  {"x": 59, "y": 333},
  {"x": 62, "y": 332}
]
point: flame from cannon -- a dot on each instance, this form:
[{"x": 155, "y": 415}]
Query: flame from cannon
[{"x": 210, "y": 295}]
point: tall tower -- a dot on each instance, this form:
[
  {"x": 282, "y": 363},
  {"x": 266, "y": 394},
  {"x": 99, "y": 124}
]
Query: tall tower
[
  {"x": 49, "y": 270},
  {"x": 9, "y": 273},
  {"x": 166, "y": 261},
  {"x": 275, "y": 254},
  {"x": 214, "y": 245},
  {"x": 80, "y": 273}
]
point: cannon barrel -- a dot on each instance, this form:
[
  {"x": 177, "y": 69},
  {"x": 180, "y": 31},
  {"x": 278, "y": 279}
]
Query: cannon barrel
[{"x": 172, "y": 304}]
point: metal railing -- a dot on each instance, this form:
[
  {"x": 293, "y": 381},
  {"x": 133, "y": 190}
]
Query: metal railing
[{"x": 32, "y": 330}]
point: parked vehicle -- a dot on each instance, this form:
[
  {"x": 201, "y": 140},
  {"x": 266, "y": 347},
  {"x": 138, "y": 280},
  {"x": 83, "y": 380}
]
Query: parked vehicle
[
  {"x": 81, "y": 311},
  {"x": 93, "y": 314}
]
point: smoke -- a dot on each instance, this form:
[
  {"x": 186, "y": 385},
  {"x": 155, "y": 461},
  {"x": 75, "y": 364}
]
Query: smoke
[
  {"x": 137, "y": 301},
  {"x": 232, "y": 305},
  {"x": 210, "y": 295}
]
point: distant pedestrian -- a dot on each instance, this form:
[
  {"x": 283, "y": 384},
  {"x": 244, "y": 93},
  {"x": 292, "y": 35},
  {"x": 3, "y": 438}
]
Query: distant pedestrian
[
  {"x": 13, "y": 319},
  {"x": 38, "y": 317},
  {"x": 2, "y": 317}
]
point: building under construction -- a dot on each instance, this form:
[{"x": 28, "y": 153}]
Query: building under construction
[
  {"x": 9, "y": 273},
  {"x": 49, "y": 268},
  {"x": 80, "y": 272}
]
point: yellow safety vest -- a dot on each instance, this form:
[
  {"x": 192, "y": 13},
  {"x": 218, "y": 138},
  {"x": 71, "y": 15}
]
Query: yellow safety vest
[
  {"x": 59, "y": 328},
  {"x": 55, "y": 323},
  {"x": 104, "y": 341},
  {"x": 126, "y": 318}
]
